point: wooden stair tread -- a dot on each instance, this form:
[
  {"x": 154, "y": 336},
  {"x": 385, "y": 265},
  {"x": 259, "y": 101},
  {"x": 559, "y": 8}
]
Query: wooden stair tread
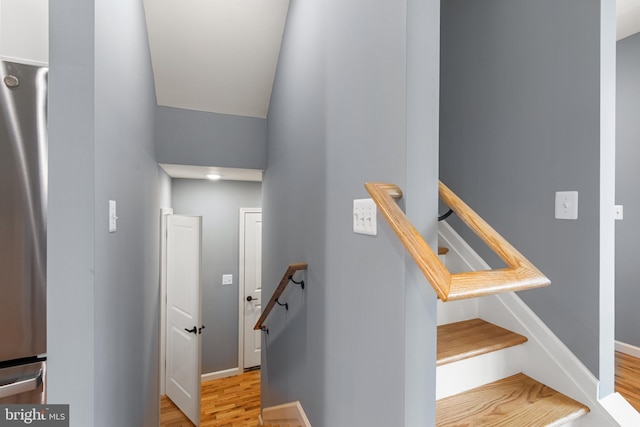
[
  {"x": 513, "y": 401},
  {"x": 469, "y": 338},
  {"x": 442, "y": 250},
  {"x": 474, "y": 284}
]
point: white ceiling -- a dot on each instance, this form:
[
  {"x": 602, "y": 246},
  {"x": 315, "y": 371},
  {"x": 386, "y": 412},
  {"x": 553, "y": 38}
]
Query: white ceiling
[
  {"x": 628, "y": 18},
  {"x": 215, "y": 55}
]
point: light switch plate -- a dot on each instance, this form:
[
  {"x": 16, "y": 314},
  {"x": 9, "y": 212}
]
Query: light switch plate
[
  {"x": 112, "y": 216},
  {"x": 227, "y": 279},
  {"x": 619, "y": 212},
  {"x": 566, "y": 205},
  {"x": 365, "y": 217}
]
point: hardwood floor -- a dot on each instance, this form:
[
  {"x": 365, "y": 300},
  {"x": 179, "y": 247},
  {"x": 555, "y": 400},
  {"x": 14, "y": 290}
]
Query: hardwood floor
[
  {"x": 628, "y": 378},
  {"x": 235, "y": 401},
  {"x": 227, "y": 402}
]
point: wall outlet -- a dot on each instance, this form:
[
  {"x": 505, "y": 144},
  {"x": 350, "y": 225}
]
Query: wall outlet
[{"x": 227, "y": 279}]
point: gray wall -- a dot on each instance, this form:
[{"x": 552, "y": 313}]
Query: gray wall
[
  {"x": 339, "y": 117},
  {"x": 627, "y": 194},
  {"x": 519, "y": 121},
  {"x": 70, "y": 224},
  {"x": 219, "y": 205},
  {"x": 188, "y": 137},
  {"x": 103, "y": 288}
]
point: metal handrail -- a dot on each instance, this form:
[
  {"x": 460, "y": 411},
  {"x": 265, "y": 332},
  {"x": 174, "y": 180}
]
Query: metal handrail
[{"x": 288, "y": 277}]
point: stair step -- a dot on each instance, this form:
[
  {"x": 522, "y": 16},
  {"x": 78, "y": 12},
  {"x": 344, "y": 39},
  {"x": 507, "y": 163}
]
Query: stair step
[
  {"x": 469, "y": 338},
  {"x": 517, "y": 400}
]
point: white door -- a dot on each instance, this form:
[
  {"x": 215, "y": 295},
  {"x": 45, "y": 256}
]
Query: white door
[
  {"x": 183, "y": 314},
  {"x": 251, "y": 279}
]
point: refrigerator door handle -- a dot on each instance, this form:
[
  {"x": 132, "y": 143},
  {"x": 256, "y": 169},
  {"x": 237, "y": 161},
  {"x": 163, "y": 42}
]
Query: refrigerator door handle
[{"x": 21, "y": 385}]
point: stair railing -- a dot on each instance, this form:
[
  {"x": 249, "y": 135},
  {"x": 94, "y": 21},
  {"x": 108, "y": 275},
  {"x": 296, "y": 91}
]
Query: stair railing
[
  {"x": 288, "y": 277},
  {"x": 520, "y": 274}
]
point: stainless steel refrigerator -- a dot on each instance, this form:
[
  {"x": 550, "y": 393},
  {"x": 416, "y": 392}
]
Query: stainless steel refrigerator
[{"x": 23, "y": 224}]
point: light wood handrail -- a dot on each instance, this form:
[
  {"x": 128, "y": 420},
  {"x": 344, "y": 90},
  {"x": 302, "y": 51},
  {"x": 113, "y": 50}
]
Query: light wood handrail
[
  {"x": 291, "y": 270},
  {"x": 520, "y": 274}
]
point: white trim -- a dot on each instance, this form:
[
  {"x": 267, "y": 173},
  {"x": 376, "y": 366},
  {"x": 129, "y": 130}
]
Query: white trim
[
  {"x": 546, "y": 359},
  {"x": 629, "y": 349},
  {"x": 622, "y": 411},
  {"x": 607, "y": 276},
  {"x": 220, "y": 374},
  {"x": 163, "y": 296},
  {"x": 241, "y": 295},
  {"x": 289, "y": 413}
]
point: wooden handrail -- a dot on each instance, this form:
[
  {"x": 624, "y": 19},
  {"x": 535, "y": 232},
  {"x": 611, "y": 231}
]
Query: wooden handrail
[
  {"x": 520, "y": 274},
  {"x": 288, "y": 275}
]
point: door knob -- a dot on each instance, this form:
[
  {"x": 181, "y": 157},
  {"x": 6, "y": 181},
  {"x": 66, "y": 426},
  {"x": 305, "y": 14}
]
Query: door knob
[
  {"x": 250, "y": 298},
  {"x": 194, "y": 330}
]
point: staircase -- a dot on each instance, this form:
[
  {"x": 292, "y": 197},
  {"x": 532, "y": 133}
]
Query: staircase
[
  {"x": 479, "y": 376},
  {"x": 477, "y": 385}
]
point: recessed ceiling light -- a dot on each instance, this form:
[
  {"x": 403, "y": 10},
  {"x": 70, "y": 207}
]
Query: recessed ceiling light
[{"x": 213, "y": 176}]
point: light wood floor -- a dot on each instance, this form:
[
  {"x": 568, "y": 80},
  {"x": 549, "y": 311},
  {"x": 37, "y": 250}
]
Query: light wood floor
[
  {"x": 628, "y": 378},
  {"x": 235, "y": 401},
  {"x": 227, "y": 402}
]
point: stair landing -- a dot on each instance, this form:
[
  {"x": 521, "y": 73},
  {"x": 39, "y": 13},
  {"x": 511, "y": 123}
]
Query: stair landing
[
  {"x": 470, "y": 338},
  {"x": 513, "y": 401}
]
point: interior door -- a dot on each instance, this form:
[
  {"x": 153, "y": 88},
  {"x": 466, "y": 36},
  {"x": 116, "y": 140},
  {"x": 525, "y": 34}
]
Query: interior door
[
  {"x": 184, "y": 241},
  {"x": 252, "y": 274}
]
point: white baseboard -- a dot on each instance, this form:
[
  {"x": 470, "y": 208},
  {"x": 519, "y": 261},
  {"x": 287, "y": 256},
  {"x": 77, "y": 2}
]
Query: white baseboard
[
  {"x": 220, "y": 374},
  {"x": 621, "y": 410},
  {"x": 629, "y": 349},
  {"x": 287, "y": 413}
]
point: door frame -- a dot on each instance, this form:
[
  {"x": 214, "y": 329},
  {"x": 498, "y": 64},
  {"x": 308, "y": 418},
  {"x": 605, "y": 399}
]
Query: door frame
[
  {"x": 164, "y": 212},
  {"x": 241, "y": 294}
]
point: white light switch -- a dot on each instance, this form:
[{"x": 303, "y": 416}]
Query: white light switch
[
  {"x": 566, "y": 205},
  {"x": 112, "y": 216},
  {"x": 227, "y": 279},
  {"x": 619, "y": 212},
  {"x": 365, "y": 217}
]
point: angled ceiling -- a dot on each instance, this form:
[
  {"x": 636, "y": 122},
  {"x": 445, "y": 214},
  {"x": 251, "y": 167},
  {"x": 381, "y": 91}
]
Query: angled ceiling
[
  {"x": 218, "y": 56},
  {"x": 627, "y": 17}
]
